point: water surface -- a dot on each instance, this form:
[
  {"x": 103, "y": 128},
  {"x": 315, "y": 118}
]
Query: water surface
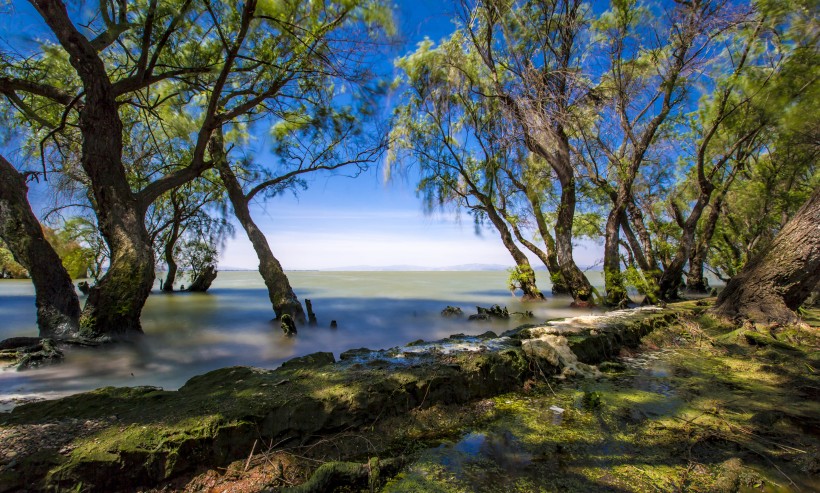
[{"x": 187, "y": 334}]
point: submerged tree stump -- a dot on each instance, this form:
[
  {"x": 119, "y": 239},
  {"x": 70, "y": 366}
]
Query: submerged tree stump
[{"x": 203, "y": 280}]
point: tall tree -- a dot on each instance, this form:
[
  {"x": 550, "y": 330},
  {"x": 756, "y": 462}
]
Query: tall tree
[
  {"x": 532, "y": 52},
  {"x": 456, "y": 138},
  {"x": 209, "y": 64},
  {"x": 653, "y": 59}
]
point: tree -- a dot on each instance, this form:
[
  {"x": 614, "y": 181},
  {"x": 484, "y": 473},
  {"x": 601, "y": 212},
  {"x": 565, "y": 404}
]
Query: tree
[
  {"x": 532, "y": 54},
  {"x": 58, "y": 308},
  {"x": 775, "y": 283},
  {"x": 207, "y": 65},
  {"x": 652, "y": 62},
  {"x": 456, "y": 139},
  {"x": 186, "y": 220}
]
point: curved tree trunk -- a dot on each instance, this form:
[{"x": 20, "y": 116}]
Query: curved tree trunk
[
  {"x": 695, "y": 281},
  {"x": 58, "y": 308},
  {"x": 170, "y": 277},
  {"x": 577, "y": 282},
  {"x": 281, "y": 294},
  {"x": 526, "y": 282},
  {"x": 549, "y": 261},
  {"x": 776, "y": 282}
]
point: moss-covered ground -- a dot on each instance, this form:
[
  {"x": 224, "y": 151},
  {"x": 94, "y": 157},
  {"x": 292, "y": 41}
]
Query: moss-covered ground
[
  {"x": 699, "y": 406},
  {"x": 702, "y": 407}
]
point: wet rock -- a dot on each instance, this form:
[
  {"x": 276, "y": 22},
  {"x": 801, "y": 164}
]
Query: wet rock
[
  {"x": 354, "y": 353},
  {"x": 494, "y": 312},
  {"x": 288, "y": 325},
  {"x": 26, "y": 353},
  {"x": 216, "y": 418},
  {"x": 314, "y": 360},
  {"x": 452, "y": 312}
]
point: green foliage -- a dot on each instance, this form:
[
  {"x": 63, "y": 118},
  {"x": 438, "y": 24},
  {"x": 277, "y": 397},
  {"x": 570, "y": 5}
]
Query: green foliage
[
  {"x": 521, "y": 275},
  {"x": 643, "y": 282},
  {"x": 195, "y": 256},
  {"x": 9, "y": 268},
  {"x": 77, "y": 259}
]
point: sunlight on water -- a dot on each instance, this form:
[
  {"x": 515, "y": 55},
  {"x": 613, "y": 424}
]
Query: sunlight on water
[{"x": 189, "y": 333}]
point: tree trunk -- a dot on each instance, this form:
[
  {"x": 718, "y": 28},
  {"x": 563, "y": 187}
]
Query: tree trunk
[
  {"x": 170, "y": 278},
  {"x": 114, "y": 305},
  {"x": 695, "y": 281},
  {"x": 672, "y": 277},
  {"x": 58, "y": 308},
  {"x": 527, "y": 281},
  {"x": 776, "y": 282},
  {"x": 173, "y": 236},
  {"x": 559, "y": 285},
  {"x": 281, "y": 294},
  {"x": 203, "y": 281},
  {"x": 613, "y": 279},
  {"x": 543, "y": 256},
  {"x": 577, "y": 282}
]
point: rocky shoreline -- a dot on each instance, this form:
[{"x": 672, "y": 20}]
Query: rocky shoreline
[
  {"x": 143, "y": 436},
  {"x": 365, "y": 417}
]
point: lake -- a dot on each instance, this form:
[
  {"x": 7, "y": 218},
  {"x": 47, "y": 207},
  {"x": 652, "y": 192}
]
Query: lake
[{"x": 187, "y": 334}]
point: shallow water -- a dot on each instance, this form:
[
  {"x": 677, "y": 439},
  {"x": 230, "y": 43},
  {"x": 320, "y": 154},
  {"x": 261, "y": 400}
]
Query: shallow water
[{"x": 187, "y": 334}]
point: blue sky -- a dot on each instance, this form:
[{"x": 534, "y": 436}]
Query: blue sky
[{"x": 367, "y": 221}]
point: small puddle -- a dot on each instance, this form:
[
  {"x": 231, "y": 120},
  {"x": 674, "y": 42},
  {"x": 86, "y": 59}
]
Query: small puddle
[{"x": 478, "y": 459}]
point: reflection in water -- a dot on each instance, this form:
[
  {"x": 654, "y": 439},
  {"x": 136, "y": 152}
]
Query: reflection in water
[{"x": 191, "y": 333}]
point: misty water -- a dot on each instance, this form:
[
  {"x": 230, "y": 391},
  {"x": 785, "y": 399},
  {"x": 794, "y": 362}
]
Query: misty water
[{"x": 187, "y": 334}]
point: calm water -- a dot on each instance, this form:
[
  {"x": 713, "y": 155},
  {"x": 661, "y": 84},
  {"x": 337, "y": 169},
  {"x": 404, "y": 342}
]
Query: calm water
[{"x": 188, "y": 334}]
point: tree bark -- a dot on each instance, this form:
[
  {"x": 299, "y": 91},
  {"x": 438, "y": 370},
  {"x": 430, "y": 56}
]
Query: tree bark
[
  {"x": 616, "y": 293},
  {"x": 695, "y": 281},
  {"x": 559, "y": 285},
  {"x": 173, "y": 236},
  {"x": 114, "y": 305},
  {"x": 58, "y": 308},
  {"x": 578, "y": 284},
  {"x": 281, "y": 294},
  {"x": 776, "y": 282},
  {"x": 203, "y": 281},
  {"x": 527, "y": 284}
]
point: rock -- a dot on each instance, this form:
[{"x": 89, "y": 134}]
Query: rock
[
  {"x": 333, "y": 324},
  {"x": 551, "y": 353},
  {"x": 494, "y": 312},
  {"x": 288, "y": 325},
  {"x": 30, "y": 352},
  {"x": 354, "y": 353},
  {"x": 314, "y": 360},
  {"x": 452, "y": 312},
  {"x": 214, "y": 419}
]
